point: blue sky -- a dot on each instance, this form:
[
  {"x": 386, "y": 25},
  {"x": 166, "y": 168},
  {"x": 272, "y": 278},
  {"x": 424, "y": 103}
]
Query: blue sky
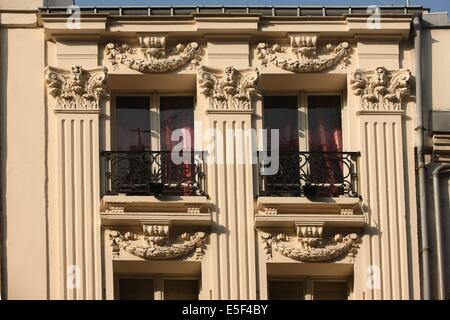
[{"x": 435, "y": 5}]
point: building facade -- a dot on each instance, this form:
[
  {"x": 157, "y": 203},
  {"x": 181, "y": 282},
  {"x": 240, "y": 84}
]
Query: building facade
[{"x": 224, "y": 152}]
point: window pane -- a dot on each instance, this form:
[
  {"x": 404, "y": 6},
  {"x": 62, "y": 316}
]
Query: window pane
[
  {"x": 286, "y": 290},
  {"x": 180, "y": 290},
  {"x": 325, "y": 128},
  {"x": 133, "y": 123},
  {"x": 330, "y": 291},
  {"x": 177, "y": 113},
  {"x": 325, "y": 135},
  {"x": 136, "y": 289},
  {"x": 280, "y": 112}
]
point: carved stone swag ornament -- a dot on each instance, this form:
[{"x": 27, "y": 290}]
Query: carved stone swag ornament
[
  {"x": 310, "y": 246},
  {"x": 381, "y": 89},
  {"x": 76, "y": 89},
  {"x": 151, "y": 58},
  {"x": 154, "y": 244},
  {"x": 230, "y": 90},
  {"x": 304, "y": 54}
]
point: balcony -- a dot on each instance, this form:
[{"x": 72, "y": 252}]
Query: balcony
[
  {"x": 309, "y": 174},
  {"x": 153, "y": 173}
]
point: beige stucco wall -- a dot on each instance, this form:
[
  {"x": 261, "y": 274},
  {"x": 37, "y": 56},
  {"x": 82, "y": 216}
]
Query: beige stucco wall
[
  {"x": 52, "y": 176},
  {"x": 24, "y": 160}
]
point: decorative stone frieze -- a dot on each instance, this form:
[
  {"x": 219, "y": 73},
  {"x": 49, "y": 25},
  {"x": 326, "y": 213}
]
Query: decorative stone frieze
[
  {"x": 381, "y": 89},
  {"x": 151, "y": 58},
  {"x": 270, "y": 210},
  {"x": 154, "y": 243},
  {"x": 230, "y": 89},
  {"x": 304, "y": 55},
  {"x": 76, "y": 89},
  {"x": 193, "y": 209},
  {"x": 310, "y": 246}
]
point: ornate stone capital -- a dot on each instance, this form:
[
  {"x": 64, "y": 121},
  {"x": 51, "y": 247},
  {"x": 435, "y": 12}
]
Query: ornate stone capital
[
  {"x": 310, "y": 245},
  {"x": 76, "y": 90},
  {"x": 230, "y": 90},
  {"x": 381, "y": 89},
  {"x": 151, "y": 58},
  {"x": 304, "y": 55},
  {"x": 154, "y": 243}
]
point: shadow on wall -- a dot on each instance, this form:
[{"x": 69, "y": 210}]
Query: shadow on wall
[{"x": 58, "y": 3}]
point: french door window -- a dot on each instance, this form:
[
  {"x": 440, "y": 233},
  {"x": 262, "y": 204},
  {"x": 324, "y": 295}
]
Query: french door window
[
  {"x": 310, "y": 144},
  {"x": 148, "y": 129}
]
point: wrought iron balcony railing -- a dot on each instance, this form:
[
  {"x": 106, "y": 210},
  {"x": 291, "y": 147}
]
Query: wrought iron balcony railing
[
  {"x": 309, "y": 174},
  {"x": 153, "y": 173}
]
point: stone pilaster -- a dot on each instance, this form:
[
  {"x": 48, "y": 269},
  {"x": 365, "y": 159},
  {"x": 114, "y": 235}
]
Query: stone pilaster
[
  {"x": 383, "y": 94},
  {"x": 75, "y": 225},
  {"x": 228, "y": 96}
]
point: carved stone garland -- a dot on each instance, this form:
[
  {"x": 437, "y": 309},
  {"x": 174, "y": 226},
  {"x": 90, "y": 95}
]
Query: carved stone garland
[
  {"x": 76, "y": 89},
  {"x": 153, "y": 55},
  {"x": 231, "y": 90},
  {"x": 304, "y": 54},
  {"x": 154, "y": 244},
  {"x": 381, "y": 89},
  {"x": 310, "y": 246}
]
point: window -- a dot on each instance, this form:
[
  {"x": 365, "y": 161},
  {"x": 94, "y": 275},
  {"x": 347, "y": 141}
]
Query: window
[
  {"x": 305, "y": 122},
  {"x": 308, "y": 289},
  {"x": 146, "y": 123},
  {"x": 155, "y": 288},
  {"x": 148, "y": 128},
  {"x": 310, "y": 145}
]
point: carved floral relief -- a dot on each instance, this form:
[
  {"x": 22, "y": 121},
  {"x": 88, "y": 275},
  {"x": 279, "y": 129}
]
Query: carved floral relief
[
  {"x": 230, "y": 90},
  {"x": 310, "y": 246},
  {"x": 381, "y": 89},
  {"x": 154, "y": 244},
  {"x": 76, "y": 89},
  {"x": 151, "y": 58},
  {"x": 304, "y": 55}
]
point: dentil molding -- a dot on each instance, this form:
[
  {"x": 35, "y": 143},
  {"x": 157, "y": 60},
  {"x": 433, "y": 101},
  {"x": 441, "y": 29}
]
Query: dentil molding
[
  {"x": 230, "y": 89},
  {"x": 76, "y": 89},
  {"x": 381, "y": 89},
  {"x": 154, "y": 243},
  {"x": 310, "y": 245},
  {"x": 304, "y": 55},
  {"x": 151, "y": 56}
]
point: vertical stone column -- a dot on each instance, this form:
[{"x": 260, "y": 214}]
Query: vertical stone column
[
  {"x": 75, "y": 226},
  {"x": 386, "y": 255},
  {"x": 229, "y": 111}
]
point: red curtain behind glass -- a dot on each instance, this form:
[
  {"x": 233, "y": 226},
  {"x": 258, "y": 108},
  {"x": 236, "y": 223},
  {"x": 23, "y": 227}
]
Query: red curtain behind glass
[{"x": 177, "y": 113}]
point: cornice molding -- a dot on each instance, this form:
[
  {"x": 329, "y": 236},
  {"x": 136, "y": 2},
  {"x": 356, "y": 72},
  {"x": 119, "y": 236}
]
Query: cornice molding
[
  {"x": 229, "y": 90},
  {"x": 151, "y": 58},
  {"x": 77, "y": 89},
  {"x": 381, "y": 90},
  {"x": 304, "y": 56}
]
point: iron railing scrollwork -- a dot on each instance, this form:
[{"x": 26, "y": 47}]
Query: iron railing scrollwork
[
  {"x": 154, "y": 173},
  {"x": 308, "y": 174}
]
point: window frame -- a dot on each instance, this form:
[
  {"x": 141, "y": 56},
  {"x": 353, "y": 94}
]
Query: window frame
[
  {"x": 302, "y": 115},
  {"x": 308, "y": 284},
  {"x": 154, "y": 104},
  {"x": 158, "y": 282}
]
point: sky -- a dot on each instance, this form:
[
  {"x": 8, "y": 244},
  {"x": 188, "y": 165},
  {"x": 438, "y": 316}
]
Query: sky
[{"x": 435, "y": 5}]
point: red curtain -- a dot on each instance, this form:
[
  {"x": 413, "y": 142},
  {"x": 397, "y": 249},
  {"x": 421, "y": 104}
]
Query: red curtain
[
  {"x": 178, "y": 113},
  {"x": 325, "y": 136}
]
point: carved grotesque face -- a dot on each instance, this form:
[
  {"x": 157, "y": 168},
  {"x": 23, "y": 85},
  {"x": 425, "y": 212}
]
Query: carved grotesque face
[
  {"x": 381, "y": 75},
  {"x": 228, "y": 81}
]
